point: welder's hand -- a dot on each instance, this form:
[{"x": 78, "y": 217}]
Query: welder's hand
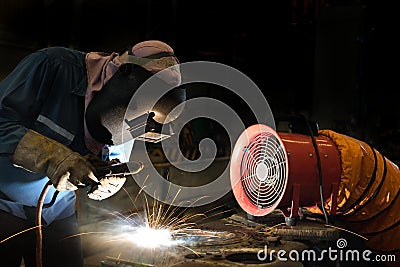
[
  {"x": 108, "y": 184},
  {"x": 101, "y": 167},
  {"x": 66, "y": 169},
  {"x": 112, "y": 175},
  {"x": 73, "y": 172}
]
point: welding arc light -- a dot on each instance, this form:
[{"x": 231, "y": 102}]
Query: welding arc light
[{"x": 151, "y": 237}]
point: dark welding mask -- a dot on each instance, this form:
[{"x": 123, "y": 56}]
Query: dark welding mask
[{"x": 111, "y": 116}]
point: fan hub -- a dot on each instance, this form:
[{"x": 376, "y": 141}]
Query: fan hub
[{"x": 262, "y": 172}]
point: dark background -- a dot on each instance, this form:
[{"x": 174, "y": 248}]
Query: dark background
[{"x": 333, "y": 61}]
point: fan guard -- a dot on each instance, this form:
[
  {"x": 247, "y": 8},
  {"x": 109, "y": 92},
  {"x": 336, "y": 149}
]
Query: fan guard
[{"x": 259, "y": 170}]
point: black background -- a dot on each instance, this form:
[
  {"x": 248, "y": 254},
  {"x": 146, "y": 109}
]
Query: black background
[{"x": 334, "y": 61}]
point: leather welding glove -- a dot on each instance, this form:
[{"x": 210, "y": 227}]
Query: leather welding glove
[
  {"x": 109, "y": 182},
  {"x": 66, "y": 169}
]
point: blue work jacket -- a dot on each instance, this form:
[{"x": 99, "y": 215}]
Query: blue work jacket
[{"x": 46, "y": 93}]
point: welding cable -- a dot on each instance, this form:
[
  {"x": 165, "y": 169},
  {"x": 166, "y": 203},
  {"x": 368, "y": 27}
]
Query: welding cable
[
  {"x": 321, "y": 192},
  {"x": 39, "y": 234}
]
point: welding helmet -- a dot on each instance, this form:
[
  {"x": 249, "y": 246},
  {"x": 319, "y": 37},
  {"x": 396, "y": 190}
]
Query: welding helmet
[{"x": 107, "y": 112}]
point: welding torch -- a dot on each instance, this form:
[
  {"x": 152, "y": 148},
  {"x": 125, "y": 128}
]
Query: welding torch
[{"x": 111, "y": 177}]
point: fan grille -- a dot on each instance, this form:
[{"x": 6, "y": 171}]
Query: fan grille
[{"x": 263, "y": 170}]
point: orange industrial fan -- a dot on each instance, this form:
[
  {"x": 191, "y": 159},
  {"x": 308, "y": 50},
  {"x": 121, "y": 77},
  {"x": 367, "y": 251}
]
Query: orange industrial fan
[{"x": 327, "y": 173}]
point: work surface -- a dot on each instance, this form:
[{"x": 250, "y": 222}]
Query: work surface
[{"x": 231, "y": 240}]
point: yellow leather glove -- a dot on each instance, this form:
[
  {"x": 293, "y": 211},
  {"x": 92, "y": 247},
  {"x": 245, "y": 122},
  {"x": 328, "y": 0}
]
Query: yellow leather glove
[{"x": 66, "y": 169}]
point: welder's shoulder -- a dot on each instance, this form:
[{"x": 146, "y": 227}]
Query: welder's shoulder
[{"x": 63, "y": 55}]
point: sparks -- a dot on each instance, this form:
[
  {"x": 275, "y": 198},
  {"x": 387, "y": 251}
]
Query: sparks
[
  {"x": 153, "y": 232},
  {"x": 154, "y": 226}
]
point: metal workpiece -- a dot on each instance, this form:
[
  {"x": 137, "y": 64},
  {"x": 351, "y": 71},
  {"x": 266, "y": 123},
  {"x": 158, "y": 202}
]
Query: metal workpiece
[{"x": 234, "y": 241}]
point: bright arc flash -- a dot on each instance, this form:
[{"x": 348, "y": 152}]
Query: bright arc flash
[{"x": 151, "y": 237}]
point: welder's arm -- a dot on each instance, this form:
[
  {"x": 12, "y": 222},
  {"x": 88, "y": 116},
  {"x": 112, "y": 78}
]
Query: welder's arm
[{"x": 66, "y": 169}]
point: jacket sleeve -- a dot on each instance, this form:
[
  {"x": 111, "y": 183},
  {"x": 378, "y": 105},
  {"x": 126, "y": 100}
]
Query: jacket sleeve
[{"x": 22, "y": 94}]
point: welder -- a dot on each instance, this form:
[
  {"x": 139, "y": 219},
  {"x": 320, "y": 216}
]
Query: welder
[{"x": 59, "y": 108}]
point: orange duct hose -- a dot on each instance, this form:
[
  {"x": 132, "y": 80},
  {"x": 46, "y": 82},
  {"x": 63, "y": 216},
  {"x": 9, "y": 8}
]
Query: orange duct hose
[{"x": 369, "y": 193}]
